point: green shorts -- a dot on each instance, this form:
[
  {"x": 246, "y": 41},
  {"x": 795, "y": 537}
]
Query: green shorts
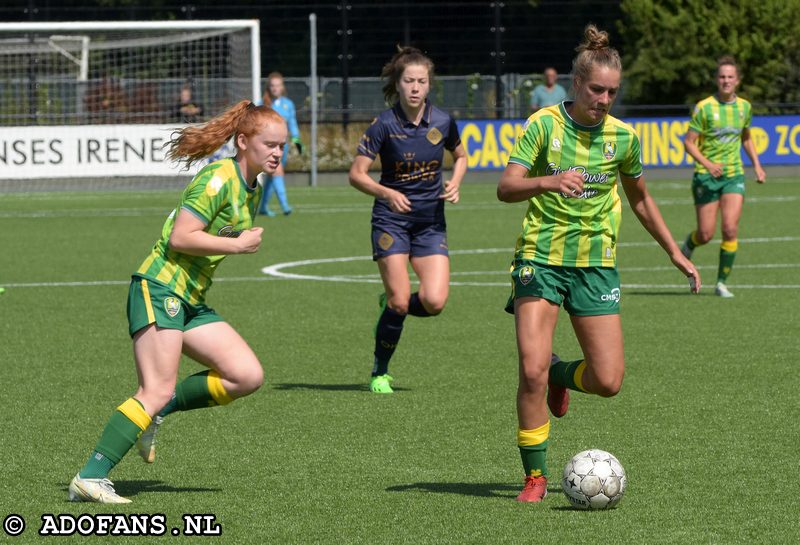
[
  {"x": 152, "y": 303},
  {"x": 584, "y": 291},
  {"x": 706, "y": 188}
]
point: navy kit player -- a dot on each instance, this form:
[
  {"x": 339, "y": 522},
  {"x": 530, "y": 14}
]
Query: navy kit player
[{"x": 408, "y": 215}]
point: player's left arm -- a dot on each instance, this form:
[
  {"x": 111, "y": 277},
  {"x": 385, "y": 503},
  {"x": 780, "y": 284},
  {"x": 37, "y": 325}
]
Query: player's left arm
[
  {"x": 750, "y": 148},
  {"x": 451, "y": 186},
  {"x": 650, "y": 217}
]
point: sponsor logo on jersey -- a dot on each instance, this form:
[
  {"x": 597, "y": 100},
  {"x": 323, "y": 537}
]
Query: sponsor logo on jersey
[
  {"x": 434, "y": 135},
  {"x": 612, "y": 297},
  {"x": 409, "y": 155},
  {"x": 609, "y": 150},
  {"x": 172, "y": 305},
  {"x": 229, "y": 232},
  {"x": 588, "y": 177},
  {"x": 526, "y": 274},
  {"x": 385, "y": 241},
  {"x": 413, "y": 171},
  {"x": 556, "y": 144}
]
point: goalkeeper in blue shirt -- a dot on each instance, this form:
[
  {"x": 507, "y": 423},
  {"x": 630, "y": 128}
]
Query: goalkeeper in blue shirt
[{"x": 274, "y": 184}]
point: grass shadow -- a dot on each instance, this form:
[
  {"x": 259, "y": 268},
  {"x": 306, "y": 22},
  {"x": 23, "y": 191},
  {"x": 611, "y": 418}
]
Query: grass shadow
[
  {"x": 482, "y": 490},
  {"x": 579, "y": 510},
  {"x": 361, "y": 387},
  {"x": 132, "y": 488}
]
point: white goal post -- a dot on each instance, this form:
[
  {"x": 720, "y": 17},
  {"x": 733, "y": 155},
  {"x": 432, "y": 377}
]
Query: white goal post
[{"x": 78, "y": 98}]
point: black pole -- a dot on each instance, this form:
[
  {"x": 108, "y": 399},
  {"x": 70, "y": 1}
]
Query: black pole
[
  {"x": 406, "y": 25},
  {"x": 188, "y": 60},
  {"x": 32, "y": 60},
  {"x": 345, "y": 32},
  {"x": 499, "y": 58}
]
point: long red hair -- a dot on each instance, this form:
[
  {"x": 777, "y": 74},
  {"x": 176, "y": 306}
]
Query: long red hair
[{"x": 194, "y": 142}]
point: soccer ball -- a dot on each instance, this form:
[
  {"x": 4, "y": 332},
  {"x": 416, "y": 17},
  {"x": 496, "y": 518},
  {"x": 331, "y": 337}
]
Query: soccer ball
[{"x": 594, "y": 479}]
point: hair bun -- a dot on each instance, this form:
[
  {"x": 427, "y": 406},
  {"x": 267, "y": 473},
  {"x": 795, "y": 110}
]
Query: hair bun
[{"x": 594, "y": 39}]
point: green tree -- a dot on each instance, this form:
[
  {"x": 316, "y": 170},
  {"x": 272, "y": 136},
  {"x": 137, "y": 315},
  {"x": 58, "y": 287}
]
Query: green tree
[{"x": 671, "y": 48}]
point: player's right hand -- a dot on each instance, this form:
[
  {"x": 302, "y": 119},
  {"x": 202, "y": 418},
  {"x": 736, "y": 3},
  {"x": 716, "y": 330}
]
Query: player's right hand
[
  {"x": 569, "y": 183},
  {"x": 716, "y": 169},
  {"x": 250, "y": 240},
  {"x": 398, "y": 202}
]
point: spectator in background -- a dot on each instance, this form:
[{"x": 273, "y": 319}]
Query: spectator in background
[
  {"x": 273, "y": 183},
  {"x": 187, "y": 110},
  {"x": 548, "y": 93}
]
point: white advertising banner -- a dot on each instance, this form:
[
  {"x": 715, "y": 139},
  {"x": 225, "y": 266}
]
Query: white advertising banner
[{"x": 86, "y": 151}]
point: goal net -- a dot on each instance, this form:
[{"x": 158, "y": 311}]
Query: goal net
[
  {"x": 57, "y": 78},
  {"x": 77, "y": 73}
]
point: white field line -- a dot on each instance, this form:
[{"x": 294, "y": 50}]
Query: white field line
[
  {"x": 276, "y": 271},
  {"x": 314, "y": 208},
  {"x": 621, "y": 269}
]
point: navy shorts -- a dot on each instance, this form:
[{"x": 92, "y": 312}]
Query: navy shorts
[{"x": 415, "y": 238}]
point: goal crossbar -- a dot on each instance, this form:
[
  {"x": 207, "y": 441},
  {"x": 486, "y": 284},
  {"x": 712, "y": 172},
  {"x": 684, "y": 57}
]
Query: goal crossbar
[{"x": 252, "y": 25}]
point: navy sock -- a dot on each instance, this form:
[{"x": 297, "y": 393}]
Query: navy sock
[
  {"x": 387, "y": 335},
  {"x": 415, "y": 306}
]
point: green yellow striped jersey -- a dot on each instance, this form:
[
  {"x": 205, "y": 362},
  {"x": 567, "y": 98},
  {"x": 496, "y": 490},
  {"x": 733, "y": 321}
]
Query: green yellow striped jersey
[
  {"x": 720, "y": 126},
  {"x": 564, "y": 230},
  {"x": 220, "y": 197}
]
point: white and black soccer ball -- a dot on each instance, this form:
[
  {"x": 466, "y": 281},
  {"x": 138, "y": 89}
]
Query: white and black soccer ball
[{"x": 594, "y": 479}]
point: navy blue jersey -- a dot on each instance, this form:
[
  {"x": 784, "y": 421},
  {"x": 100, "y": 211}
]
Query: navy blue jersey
[{"x": 411, "y": 158}]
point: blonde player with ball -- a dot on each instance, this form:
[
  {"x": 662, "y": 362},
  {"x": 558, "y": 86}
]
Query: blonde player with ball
[{"x": 568, "y": 163}]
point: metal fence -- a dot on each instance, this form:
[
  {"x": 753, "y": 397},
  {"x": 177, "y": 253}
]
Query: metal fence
[{"x": 70, "y": 102}]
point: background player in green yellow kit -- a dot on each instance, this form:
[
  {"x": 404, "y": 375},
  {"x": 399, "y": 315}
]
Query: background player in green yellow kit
[
  {"x": 566, "y": 163},
  {"x": 167, "y": 314},
  {"x": 719, "y": 128}
]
